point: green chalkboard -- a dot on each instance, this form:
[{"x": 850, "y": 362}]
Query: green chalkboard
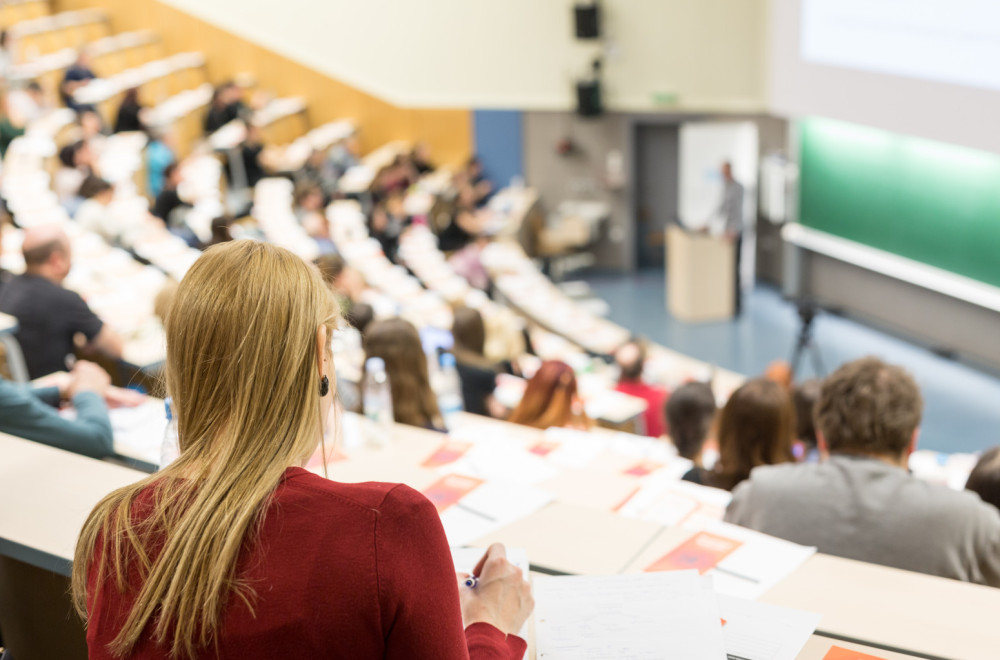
[{"x": 935, "y": 203}]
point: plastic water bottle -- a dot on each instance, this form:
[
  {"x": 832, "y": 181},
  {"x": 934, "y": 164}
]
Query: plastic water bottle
[
  {"x": 377, "y": 401},
  {"x": 170, "y": 449},
  {"x": 449, "y": 393}
]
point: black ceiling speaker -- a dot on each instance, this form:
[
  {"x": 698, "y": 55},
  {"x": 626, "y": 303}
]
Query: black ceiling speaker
[{"x": 588, "y": 20}]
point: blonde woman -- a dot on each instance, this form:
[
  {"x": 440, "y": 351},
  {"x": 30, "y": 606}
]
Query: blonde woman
[{"x": 234, "y": 550}]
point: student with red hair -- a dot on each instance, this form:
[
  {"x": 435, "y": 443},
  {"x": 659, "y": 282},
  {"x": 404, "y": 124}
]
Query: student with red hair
[{"x": 550, "y": 399}]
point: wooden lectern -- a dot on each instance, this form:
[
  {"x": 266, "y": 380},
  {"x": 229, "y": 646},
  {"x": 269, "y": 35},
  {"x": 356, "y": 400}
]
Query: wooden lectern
[{"x": 700, "y": 276}]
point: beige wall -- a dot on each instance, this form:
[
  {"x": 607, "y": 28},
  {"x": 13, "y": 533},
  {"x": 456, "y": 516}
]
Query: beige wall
[{"x": 515, "y": 53}]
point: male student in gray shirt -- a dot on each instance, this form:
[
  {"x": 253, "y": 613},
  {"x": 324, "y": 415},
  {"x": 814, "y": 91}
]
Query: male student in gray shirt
[{"x": 861, "y": 502}]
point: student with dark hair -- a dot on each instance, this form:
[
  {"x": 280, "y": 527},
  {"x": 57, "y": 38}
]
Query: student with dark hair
[
  {"x": 220, "y": 230},
  {"x": 690, "y": 414},
  {"x": 49, "y": 316},
  {"x": 631, "y": 360},
  {"x": 76, "y": 163},
  {"x": 862, "y": 503},
  {"x": 805, "y": 395},
  {"x": 360, "y": 316},
  {"x": 984, "y": 480},
  {"x": 75, "y": 77},
  {"x": 476, "y": 372},
  {"x": 130, "y": 113},
  {"x": 170, "y": 208},
  {"x": 93, "y": 214}
]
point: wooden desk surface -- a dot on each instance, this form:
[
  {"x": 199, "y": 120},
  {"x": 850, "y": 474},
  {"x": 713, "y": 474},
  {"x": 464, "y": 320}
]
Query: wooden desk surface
[
  {"x": 566, "y": 538},
  {"x": 47, "y": 495},
  {"x": 908, "y": 611}
]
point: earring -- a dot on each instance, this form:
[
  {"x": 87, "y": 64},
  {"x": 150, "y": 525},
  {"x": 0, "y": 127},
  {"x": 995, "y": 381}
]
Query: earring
[{"x": 324, "y": 386}]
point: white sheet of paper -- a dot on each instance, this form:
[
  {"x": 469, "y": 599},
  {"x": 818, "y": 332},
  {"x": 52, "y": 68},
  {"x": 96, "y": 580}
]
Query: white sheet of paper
[
  {"x": 489, "y": 507},
  {"x": 755, "y": 631},
  {"x": 577, "y": 449},
  {"x": 502, "y": 461},
  {"x": 670, "y": 502},
  {"x": 635, "y": 617},
  {"x": 757, "y": 565},
  {"x": 138, "y": 431}
]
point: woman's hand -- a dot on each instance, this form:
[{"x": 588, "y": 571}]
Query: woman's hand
[{"x": 501, "y": 597}]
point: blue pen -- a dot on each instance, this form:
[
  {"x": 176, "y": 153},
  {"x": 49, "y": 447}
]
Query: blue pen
[{"x": 471, "y": 581}]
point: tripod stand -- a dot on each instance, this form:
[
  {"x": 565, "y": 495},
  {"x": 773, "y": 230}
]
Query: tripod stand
[{"x": 805, "y": 342}]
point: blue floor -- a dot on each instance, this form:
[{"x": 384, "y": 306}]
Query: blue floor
[{"x": 961, "y": 404}]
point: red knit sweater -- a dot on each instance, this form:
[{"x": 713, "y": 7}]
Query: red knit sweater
[{"x": 352, "y": 571}]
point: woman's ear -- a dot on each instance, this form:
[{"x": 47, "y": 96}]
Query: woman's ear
[{"x": 321, "y": 350}]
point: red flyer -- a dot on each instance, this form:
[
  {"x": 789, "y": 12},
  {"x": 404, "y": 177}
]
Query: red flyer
[
  {"x": 450, "y": 489},
  {"x": 703, "y": 551},
  {"x": 544, "y": 447},
  {"x": 449, "y": 452},
  {"x": 643, "y": 468}
]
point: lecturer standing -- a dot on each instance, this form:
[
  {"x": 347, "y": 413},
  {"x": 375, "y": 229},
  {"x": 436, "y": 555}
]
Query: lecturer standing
[{"x": 730, "y": 216}]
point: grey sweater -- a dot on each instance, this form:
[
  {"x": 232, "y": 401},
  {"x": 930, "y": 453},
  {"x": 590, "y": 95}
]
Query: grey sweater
[{"x": 865, "y": 509}]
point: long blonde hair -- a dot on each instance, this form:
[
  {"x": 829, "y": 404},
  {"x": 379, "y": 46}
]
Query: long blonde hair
[{"x": 242, "y": 370}]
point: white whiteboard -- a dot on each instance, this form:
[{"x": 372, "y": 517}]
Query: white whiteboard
[{"x": 704, "y": 147}]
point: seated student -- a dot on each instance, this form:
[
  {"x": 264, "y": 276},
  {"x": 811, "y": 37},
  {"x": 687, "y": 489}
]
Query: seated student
[
  {"x": 226, "y": 105},
  {"x": 221, "y": 230},
  {"x": 31, "y": 413},
  {"x": 420, "y": 158},
  {"x": 130, "y": 113},
  {"x": 172, "y": 209},
  {"x": 310, "y": 211},
  {"x": 550, "y": 399},
  {"x": 756, "y": 427},
  {"x": 984, "y": 480},
  {"x": 28, "y": 101},
  {"x": 477, "y": 373},
  {"x": 242, "y": 548},
  {"x": 631, "y": 358},
  {"x": 862, "y": 503},
  {"x": 12, "y": 125},
  {"x": 397, "y": 342},
  {"x": 690, "y": 414},
  {"x": 386, "y": 229},
  {"x": 75, "y": 77},
  {"x": 93, "y": 214},
  {"x": 345, "y": 282},
  {"x": 475, "y": 179},
  {"x": 76, "y": 163},
  {"x": 805, "y": 395},
  {"x": 160, "y": 153},
  {"x": 49, "y": 316},
  {"x": 360, "y": 316}
]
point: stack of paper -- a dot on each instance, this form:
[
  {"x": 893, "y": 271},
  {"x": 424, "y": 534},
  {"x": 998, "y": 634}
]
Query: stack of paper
[{"x": 641, "y": 617}]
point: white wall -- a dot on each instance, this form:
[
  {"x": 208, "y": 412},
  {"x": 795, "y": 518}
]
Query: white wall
[
  {"x": 515, "y": 53},
  {"x": 935, "y": 110}
]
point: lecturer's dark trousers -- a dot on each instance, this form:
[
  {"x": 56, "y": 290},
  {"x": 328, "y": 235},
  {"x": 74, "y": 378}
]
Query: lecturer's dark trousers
[{"x": 738, "y": 290}]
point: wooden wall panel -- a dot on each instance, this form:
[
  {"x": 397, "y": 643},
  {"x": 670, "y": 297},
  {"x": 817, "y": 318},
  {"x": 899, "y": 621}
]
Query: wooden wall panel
[{"x": 447, "y": 131}]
